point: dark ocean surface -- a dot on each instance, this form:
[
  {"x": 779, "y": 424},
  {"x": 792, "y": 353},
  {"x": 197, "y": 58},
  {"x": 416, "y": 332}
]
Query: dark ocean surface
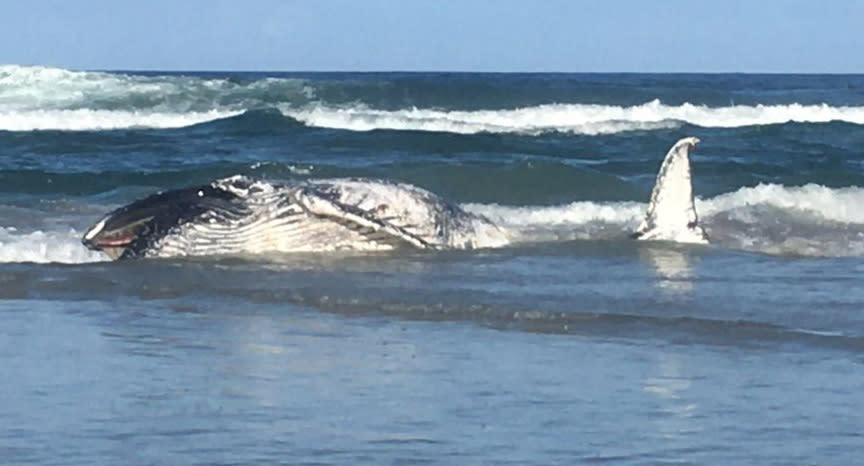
[{"x": 577, "y": 346}]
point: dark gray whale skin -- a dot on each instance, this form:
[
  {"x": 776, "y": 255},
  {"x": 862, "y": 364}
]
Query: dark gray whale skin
[{"x": 139, "y": 225}]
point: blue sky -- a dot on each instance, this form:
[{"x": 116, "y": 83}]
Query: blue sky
[{"x": 465, "y": 35}]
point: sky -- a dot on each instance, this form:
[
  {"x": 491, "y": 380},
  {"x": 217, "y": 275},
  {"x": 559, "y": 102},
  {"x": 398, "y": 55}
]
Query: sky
[{"x": 773, "y": 36}]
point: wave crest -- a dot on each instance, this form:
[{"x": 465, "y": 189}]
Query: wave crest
[
  {"x": 34, "y": 98},
  {"x": 43, "y": 98},
  {"x": 809, "y": 220},
  {"x": 531, "y": 120},
  {"x": 45, "y": 246},
  {"x": 94, "y": 120},
  {"x": 589, "y": 119},
  {"x": 840, "y": 205}
]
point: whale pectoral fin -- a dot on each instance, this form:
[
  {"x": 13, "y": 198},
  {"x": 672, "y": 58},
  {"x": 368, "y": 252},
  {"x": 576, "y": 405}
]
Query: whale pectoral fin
[
  {"x": 366, "y": 223},
  {"x": 671, "y": 214}
]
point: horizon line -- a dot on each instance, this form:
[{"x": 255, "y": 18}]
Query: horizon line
[
  {"x": 460, "y": 71},
  {"x": 443, "y": 70}
]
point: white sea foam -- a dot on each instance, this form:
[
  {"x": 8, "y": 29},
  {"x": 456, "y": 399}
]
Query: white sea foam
[
  {"x": 34, "y": 97},
  {"x": 573, "y": 118},
  {"x": 567, "y": 215},
  {"x": 577, "y": 220},
  {"x": 810, "y": 220},
  {"x": 43, "y": 88},
  {"x": 43, "y": 98},
  {"x": 45, "y": 246},
  {"x": 533, "y": 120},
  {"x": 89, "y": 120},
  {"x": 842, "y": 205}
]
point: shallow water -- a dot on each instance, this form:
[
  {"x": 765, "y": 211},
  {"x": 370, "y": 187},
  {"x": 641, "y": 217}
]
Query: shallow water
[
  {"x": 578, "y": 346},
  {"x": 527, "y": 357}
]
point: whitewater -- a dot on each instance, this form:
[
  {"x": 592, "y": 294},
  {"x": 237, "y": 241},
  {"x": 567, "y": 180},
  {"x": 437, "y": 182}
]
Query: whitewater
[
  {"x": 573, "y": 118},
  {"x": 569, "y": 118},
  {"x": 39, "y": 98}
]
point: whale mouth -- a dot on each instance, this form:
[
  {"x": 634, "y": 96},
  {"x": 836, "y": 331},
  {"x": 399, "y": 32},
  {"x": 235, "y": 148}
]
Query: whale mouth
[
  {"x": 116, "y": 242},
  {"x": 114, "y": 239},
  {"x": 113, "y": 247}
]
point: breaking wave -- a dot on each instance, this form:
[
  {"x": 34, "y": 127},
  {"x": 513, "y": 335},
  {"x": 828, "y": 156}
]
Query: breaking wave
[
  {"x": 570, "y": 118},
  {"x": 564, "y": 118},
  {"x": 42, "y": 98},
  {"x": 810, "y": 220},
  {"x": 44, "y": 246},
  {"x": 94, "y": 120}
]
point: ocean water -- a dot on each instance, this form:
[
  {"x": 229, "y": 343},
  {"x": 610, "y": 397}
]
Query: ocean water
[{"x": 576, "y": 346}]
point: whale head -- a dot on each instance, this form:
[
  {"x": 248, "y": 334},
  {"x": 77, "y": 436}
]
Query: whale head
[{"x": 132, "y": 230}]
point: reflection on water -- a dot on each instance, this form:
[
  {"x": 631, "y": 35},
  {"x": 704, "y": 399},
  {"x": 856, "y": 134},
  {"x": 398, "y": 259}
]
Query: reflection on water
[
  {"x": 671, "y": 387},
  {"x": 672, "y": 267}
]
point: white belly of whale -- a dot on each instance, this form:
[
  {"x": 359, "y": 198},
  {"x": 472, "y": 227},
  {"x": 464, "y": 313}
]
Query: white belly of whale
[{"x": 332, "y": 215}]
